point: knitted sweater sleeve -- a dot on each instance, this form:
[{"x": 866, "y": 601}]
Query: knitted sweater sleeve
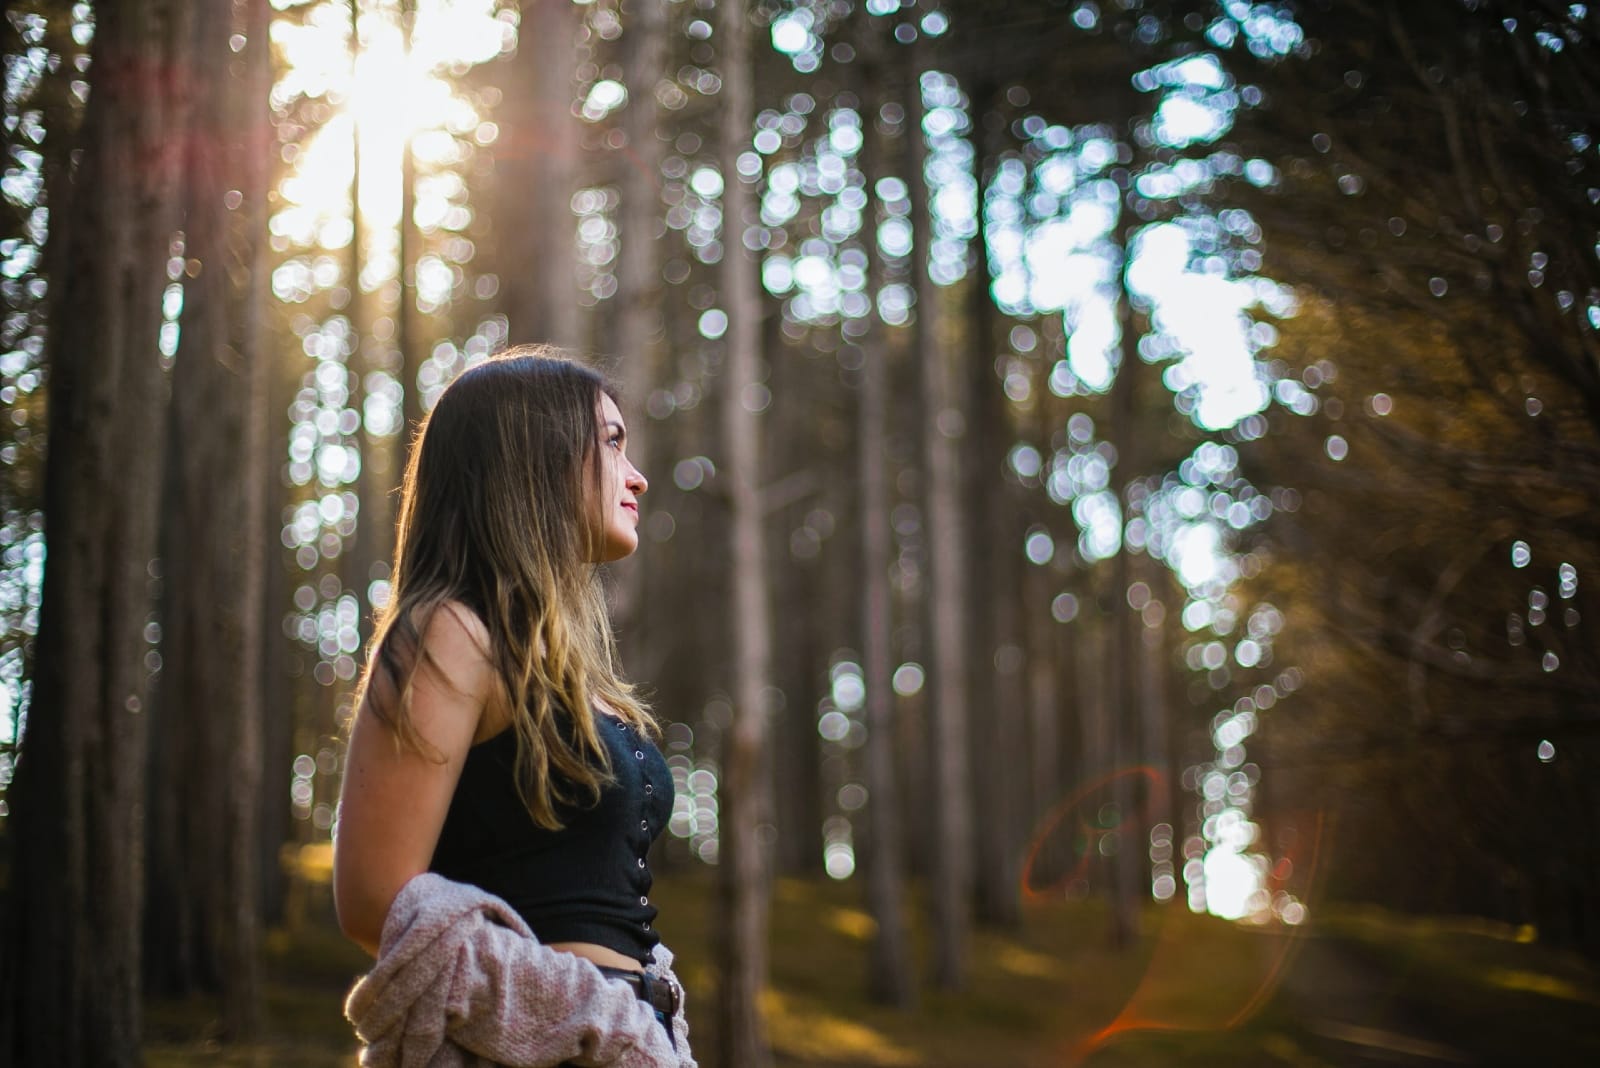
[{"x": 459, "y": 974}]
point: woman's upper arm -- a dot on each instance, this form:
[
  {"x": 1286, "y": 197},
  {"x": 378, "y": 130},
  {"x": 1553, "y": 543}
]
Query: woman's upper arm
[{"x": 394, "y": 800}]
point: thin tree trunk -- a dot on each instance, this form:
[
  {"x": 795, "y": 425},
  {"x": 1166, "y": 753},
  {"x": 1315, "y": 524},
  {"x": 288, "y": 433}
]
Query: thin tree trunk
[
  {"x": 361, "y": 553},
  {"x": 994, "y": 567},
  {"x": 889, "y": 967},
  {"x": 1044, "y": 713},
  {"x": 744, "y": 864},
  {"x": 188, "y": 730},
  {"x": 539, "y": 169},
  {"x": 71, "y": 990},
  {"x": 941, "y": 427},
  {"x": 241, "y": 958},
  {"x": 279, "y": 651},
  {"x": 799, "y": 644},
  {"x": 1089, "y": 665},
  {"x": 409, "y": 336},
  {"x": 1126, "y": 633},
  {"x": 639, "y": 268},
  {"x": 1153, "y": 702}
]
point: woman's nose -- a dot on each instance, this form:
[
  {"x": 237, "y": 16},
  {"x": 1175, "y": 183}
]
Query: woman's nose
[{"x": 636, "y": 482}]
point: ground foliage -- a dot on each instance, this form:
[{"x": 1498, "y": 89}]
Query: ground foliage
[{"x": 1195, "y": 991}]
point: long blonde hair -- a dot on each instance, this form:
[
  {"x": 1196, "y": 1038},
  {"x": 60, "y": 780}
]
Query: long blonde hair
[{"x": 495, "y": 514}]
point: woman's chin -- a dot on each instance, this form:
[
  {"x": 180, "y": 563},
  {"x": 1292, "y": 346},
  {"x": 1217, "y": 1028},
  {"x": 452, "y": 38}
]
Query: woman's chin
[{"x": 618, "y": 548}]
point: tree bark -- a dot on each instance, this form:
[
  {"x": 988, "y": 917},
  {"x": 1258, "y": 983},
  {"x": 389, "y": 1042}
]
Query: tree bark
[
  {"x": 201, "y": 919},
  {"x": 1089, "y": 675},
  {"x": 744, "y": 862},
  {"x": 1126, "y": 634},
  {"x": 639, "y": 268},
  {"x": 994, "y": 567},
  {"x": 363, "y": 557},
  {"x": 538, "y": 174},
  {"x": 72, "y": 987},
  {"x": 940, "y": 431},
  {"x": 241, "y": 958},
  {"x": 799, "y": 644},
  {"x": 1044, "y": 688},
  {"x": 889, "y": 967},
  {"x": 1155, "y": 750},
  {"x": 185, "y": 831},
  {"x": 410, "y": 336}
]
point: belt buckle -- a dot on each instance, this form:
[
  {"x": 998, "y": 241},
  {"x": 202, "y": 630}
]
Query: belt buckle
[
  {"x": 675, "y": 999},
  {"x": 649, "y": 984},
  {"x": 646, "y": 986}
]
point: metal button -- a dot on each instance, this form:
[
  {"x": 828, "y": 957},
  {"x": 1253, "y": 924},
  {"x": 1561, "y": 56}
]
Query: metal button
[
  {"x": 644, "y": 825},
  {"x": 641, "y": 862},
  {"x": 643, "y": 900},
  {"x": 639, "y": 753},
  {"x": 649, "y": 789}
]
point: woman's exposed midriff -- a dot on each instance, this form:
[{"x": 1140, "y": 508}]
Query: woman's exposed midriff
[{"x": 600, "y": 955}]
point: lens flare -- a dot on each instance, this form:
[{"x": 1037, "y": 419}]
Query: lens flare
[
  {"x": 1084, "y": 825},
  {"x": 1162, "y": 1000}
]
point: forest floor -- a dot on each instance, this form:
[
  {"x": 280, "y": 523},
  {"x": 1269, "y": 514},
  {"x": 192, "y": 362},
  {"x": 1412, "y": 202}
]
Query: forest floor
[{"x": 1349, "y": 987}]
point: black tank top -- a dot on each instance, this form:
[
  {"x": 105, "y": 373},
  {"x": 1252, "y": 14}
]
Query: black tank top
[{"x": 589, "y": 881}]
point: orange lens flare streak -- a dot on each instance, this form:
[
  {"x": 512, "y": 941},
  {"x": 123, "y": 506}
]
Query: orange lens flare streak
[{"x": 1165, "y": 960}]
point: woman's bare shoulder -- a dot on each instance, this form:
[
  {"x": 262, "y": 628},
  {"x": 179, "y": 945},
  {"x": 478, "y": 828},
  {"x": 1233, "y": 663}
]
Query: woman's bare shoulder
[{"x": 457, "y": 644}]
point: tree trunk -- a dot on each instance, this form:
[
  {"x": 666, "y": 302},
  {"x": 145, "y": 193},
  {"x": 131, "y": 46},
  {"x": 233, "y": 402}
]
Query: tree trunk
[
  {"x": 363, "y": 556},
  {"x": 1044, "y": 712},
  {"x": 538, "y": 175},
  {"x": 940, "y": 432},
  {"x": 1089, "y": 672},
  {"x": 410, "y": 336},
  {"x": 994, "y": 568},
  {"x": 800, "y": 646},
  {"x": 743, "y": 864},
  {"x": 1153, "y": 701},
  {"x": 71, "y": 984},
  {"x": 200, "y": 922},
  {"x": 279, "y": 651},
  {"x": 889, "y": 968},
  {"x": 639, "y": 267},
  {"x": 1126, "y": 634},
  {"x": 241, "y": 958}
]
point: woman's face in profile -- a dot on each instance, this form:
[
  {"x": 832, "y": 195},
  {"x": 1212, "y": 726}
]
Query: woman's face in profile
[{"x": 620, "y": 486}]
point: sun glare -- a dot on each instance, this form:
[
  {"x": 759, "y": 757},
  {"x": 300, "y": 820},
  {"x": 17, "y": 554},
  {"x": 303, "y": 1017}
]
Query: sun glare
[{"x": 387, "y": 98}]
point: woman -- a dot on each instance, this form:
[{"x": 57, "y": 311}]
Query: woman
[{"x": 501, "y": 790}]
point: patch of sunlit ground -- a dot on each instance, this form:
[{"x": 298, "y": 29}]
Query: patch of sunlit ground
[
  {"x": 307, "y": 975},
  {"x": 1364, "y": 985},
  {"x": 1507, "y": 995},
  {"x": 1352, "y": 982},
  {"x": 1036, "y": 994}
]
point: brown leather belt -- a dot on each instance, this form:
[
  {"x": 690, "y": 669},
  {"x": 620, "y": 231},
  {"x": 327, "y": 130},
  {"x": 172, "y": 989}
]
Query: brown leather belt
[{"x": 657, "y": 993}]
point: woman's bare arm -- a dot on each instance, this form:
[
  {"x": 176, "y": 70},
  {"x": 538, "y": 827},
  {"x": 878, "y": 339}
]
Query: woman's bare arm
[{"x": 393, "y": 800}]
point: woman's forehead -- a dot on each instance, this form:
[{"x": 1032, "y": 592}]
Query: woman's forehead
[{"x": 609, "y": 412}]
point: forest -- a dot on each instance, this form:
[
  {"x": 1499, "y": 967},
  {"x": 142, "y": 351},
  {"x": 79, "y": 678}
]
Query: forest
[{"x": 1118, "y": 580}]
